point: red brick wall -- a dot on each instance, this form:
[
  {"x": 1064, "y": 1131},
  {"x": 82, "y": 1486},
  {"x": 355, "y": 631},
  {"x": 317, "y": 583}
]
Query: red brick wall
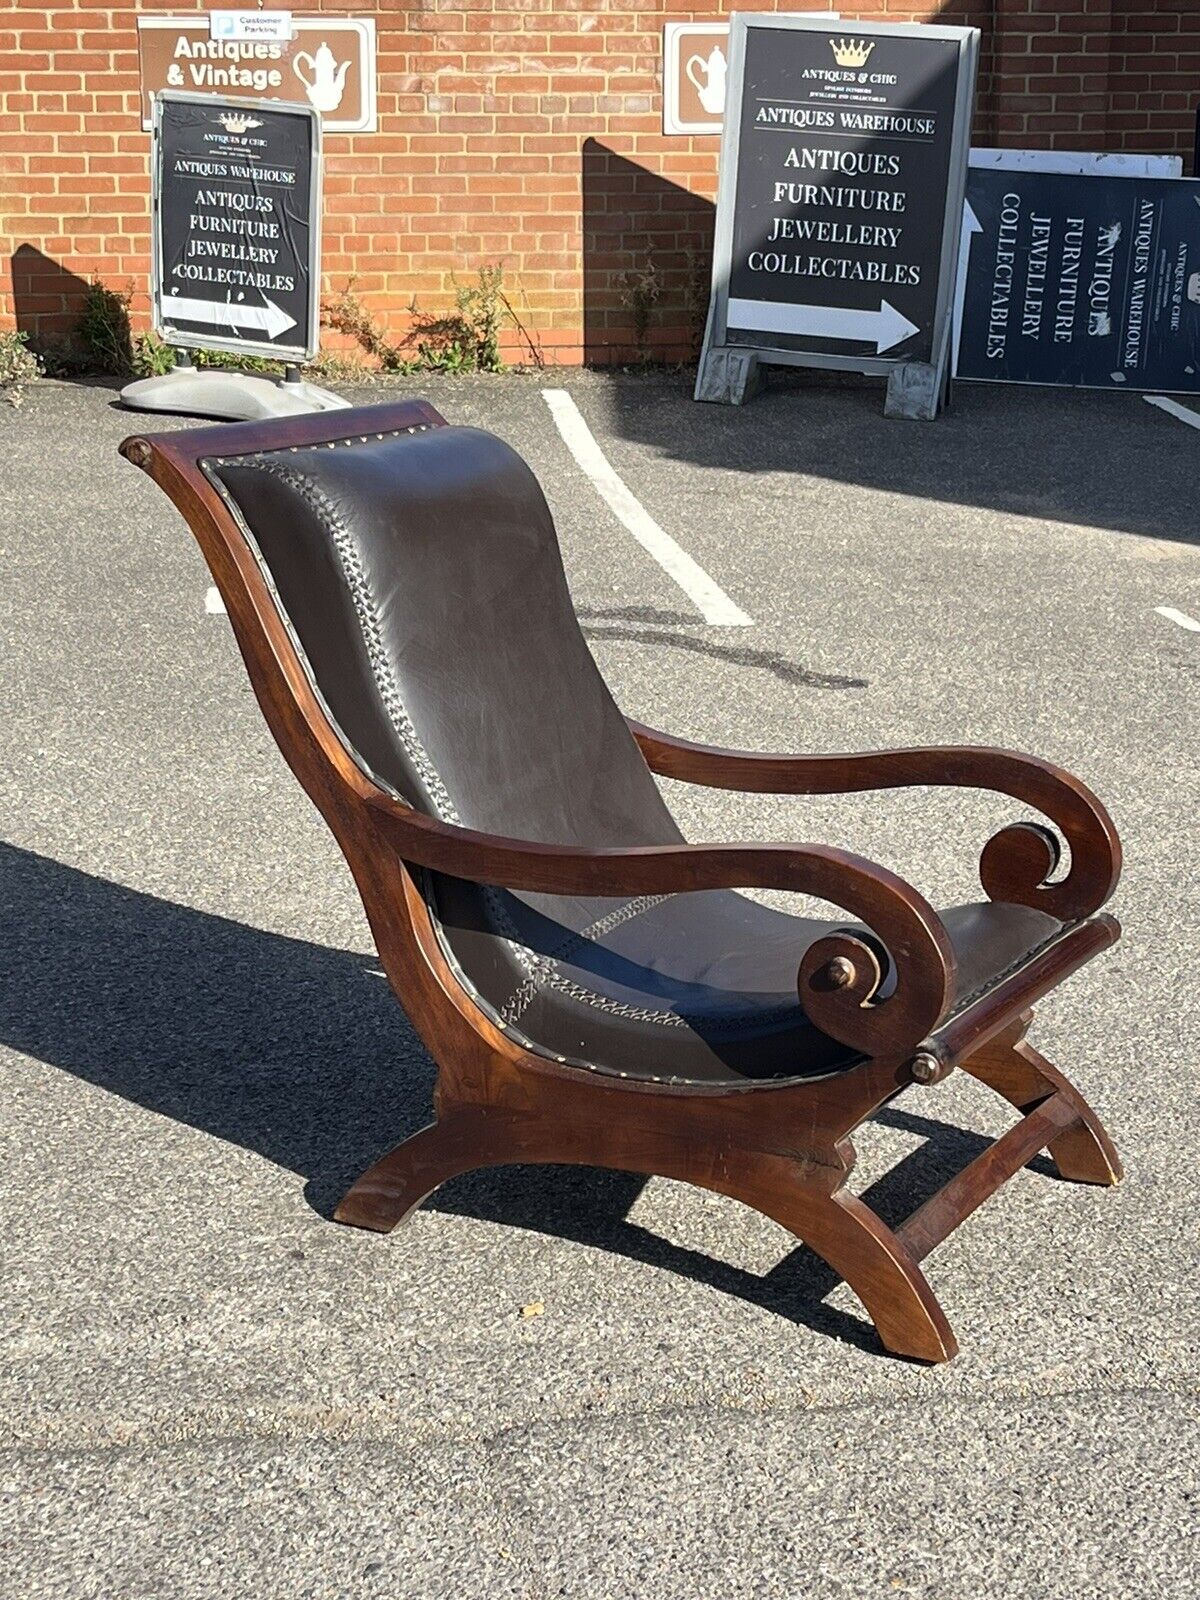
[{"x": 524, "y": 132}]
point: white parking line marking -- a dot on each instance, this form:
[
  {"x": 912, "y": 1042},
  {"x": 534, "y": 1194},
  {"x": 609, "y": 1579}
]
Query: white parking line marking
[
  {"x": 1173, "y": 408},
  {"x": 213, "y": 603},
  {"x": 710, "y": 600},
  {"x": 1181, "y": 617}
]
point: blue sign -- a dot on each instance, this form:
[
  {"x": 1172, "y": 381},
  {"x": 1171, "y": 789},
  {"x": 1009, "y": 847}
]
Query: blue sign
[{"x": 1091, "y": 281}]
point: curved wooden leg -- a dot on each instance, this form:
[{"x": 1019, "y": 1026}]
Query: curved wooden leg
[
  {"x": 907, "y": 1314},
  {"x": 395, "y": 1185},
  {"x": 863, "y": 1250},
  {"x": 842, "y": 1230},
  {"x": 1015, "y": 1070}
]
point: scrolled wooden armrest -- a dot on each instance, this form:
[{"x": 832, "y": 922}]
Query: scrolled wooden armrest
[
  {"x": 1016, "y": 862},
  {"x": 839, "y": 976}
]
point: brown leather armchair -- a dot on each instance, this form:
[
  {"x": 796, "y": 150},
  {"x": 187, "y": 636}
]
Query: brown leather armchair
[{"x": 591, "y": 986}]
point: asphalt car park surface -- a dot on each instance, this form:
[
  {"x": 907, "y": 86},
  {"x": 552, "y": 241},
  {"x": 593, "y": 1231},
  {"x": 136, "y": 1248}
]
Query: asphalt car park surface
[{"x": 210, "y": 1389}]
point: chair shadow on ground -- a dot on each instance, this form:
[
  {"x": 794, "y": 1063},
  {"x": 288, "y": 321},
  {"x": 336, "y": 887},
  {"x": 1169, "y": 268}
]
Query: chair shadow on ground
[
  {"x": 301, "y": 1054},
  {"x": 649, "y": 625}
]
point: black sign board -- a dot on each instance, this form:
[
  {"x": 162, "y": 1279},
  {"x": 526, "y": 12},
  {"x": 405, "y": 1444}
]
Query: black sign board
[
  {"x": 1088, "y": 280},
  {"x": 842, "y": 173},
  {"x": 237, "y": 225}
]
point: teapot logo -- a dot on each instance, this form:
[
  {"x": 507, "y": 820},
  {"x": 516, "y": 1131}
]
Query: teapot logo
[
  {"x": 707, "y": 76},
  {"x": 324, "y": 77}
]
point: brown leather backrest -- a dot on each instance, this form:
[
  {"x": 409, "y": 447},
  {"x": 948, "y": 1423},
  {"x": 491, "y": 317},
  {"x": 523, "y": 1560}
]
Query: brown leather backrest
[{"x": 422, "y": 577}]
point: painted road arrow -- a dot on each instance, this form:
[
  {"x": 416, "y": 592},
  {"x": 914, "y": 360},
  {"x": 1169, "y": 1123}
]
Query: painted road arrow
[
  {"x": 269, "y": 319},
  {"x": 883, "y": 328}
]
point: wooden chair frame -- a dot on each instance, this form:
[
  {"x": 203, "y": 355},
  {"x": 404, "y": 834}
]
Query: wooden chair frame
[{"x": 784, "y": 1150}]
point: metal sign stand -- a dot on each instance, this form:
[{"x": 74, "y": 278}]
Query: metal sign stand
[
  {"x": 222, "y": 216},
  {"x": 792, "y": 332}
]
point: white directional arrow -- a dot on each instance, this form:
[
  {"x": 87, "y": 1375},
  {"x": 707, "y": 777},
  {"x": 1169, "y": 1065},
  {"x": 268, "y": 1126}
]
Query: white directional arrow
[
  {"x": 269, "y": 319},
  {"x": 884, "y": 328},
  {"x": 971, "y": 225}
]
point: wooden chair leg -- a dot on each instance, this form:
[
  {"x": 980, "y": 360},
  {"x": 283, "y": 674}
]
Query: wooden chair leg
[
  {"x": 1084, "y": 1153},
  {"x": 387, "y": 1192},
  {"x": 839, "y": 1227},
  {"x": 863, "y": 1250},
  {"x": 867, "y": 1254}
]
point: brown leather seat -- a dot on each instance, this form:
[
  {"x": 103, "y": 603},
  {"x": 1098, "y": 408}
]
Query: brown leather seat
[
  {"x": 421, "y": 574},
  {"x": 697, "y": 988}
]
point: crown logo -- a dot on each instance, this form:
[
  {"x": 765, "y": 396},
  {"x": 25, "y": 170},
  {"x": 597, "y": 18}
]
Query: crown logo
[
  {"x": 851, "y": 52},
  {"x": 235, "y": 123}
]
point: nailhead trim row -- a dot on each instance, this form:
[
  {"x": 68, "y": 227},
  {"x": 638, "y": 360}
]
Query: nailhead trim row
[
  {"x": 1014, "y": 967},
  {"x": 372, "y": 632},
  {"x": 262, "y": 456}
]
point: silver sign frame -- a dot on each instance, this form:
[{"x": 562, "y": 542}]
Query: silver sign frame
[{"x": 231, "y": 344}]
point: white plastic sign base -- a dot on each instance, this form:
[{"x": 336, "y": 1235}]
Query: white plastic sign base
[{"x": 228, "y": 396}]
